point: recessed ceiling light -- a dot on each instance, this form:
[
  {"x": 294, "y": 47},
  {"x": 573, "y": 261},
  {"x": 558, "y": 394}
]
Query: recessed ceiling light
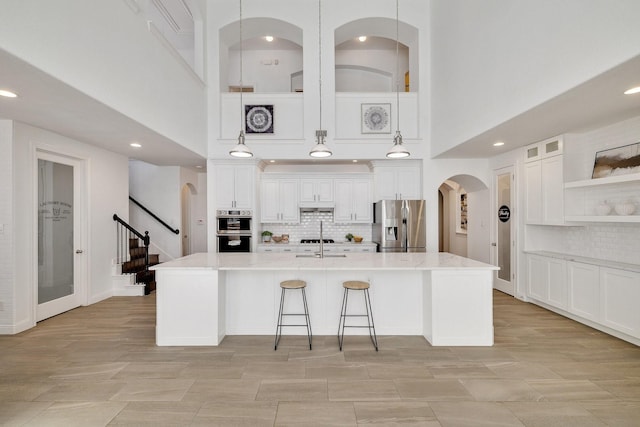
[
  {"x": 135, "y": 145},
  {"x": 354, "y": 161},
  {"x": 272, "y": 161},
  {"x": 269, "y": 38},
  {"x": 362, "y": 38},
  {"x": 7, "y": 94},
  {"x": 198, "y": 166},
  {"x": 632, "y": 90},
  {"x": 498, "y": 144}
]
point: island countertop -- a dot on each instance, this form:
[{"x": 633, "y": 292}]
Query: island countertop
[{"x": 353, "y": 261}]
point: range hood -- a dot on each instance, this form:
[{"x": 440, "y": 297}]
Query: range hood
[{"x": 316, "y": 207}]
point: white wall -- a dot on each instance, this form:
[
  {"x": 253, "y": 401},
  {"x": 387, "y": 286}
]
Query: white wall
[
  {"x": 105, "y": 50},
  {"x": 158, "y": 189},
  {"x": 7, "y": 279},
  {"x": 107, "y": 183},
  {"x": 264, "y": 77},
  {"x": 492, "y": 60},
  {"x": 382, "y": 60},
  {"x": 478, "y": 227},
  {"x": 198, "y": 208}
]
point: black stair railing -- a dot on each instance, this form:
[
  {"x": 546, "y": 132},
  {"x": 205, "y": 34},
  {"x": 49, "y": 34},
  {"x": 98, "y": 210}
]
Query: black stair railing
[
  {"x": 125, "y": 234},
  {"x": 154, "y": 216}
]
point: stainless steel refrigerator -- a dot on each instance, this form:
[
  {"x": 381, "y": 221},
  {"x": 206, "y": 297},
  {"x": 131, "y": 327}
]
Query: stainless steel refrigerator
[{"x": 400, "y": 226}]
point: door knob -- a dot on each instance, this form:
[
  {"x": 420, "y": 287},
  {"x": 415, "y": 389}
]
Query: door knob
[
  {"x": 79, "y": 251},
  {"x": 493, "y": 244}
]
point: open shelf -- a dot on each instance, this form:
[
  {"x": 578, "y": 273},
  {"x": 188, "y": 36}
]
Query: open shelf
[
  {"x": 618, "y": 179},
  {"x": 607, "y": 218}
]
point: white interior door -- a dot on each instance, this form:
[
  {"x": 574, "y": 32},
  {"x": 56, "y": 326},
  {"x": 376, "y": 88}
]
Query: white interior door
[
  {"x": 60, "y": 256},
  {"x": 504, "y": 235},
  {"x": 185, "y": 196}
]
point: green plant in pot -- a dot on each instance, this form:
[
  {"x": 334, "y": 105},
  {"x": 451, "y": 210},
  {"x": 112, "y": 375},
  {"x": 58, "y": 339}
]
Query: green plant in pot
[
  {"x": 349, "y": 237},
  {"x": 266, "y": 236}
]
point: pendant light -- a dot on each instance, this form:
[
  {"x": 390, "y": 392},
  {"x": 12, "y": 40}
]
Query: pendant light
[
  {"x": 397, "y": 151},
  {"x": 320, "y": 149},
  {"x": 241, "y": 150}
]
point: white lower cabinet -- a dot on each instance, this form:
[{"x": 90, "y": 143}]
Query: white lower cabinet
[
  {"x": 602, "y": 295},
  {"x": 619, "y": 297},
  {"x": 584, "y": 290},
  {"x": 547, "y": 280}
]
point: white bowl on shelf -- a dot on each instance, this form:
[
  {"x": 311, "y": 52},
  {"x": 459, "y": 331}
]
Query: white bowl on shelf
[
  {"x": 625, "y": 208},
  {"x": 603, "y": 209}
]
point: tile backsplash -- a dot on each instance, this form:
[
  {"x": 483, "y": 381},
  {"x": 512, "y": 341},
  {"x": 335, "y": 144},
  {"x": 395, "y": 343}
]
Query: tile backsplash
[{"x": 309, "y": 228}]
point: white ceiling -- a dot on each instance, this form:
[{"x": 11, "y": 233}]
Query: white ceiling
[{"x": 50, "y": 104}]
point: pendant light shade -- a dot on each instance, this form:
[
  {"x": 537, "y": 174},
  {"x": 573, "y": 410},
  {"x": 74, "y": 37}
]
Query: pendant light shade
[
  {"x": 397, "y": 151},
  {"x": 241, "y": 150},
  {"x": 320, "y": 150}
]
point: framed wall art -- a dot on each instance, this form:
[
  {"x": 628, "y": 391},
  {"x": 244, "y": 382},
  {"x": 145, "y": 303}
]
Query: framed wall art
[
  {"x": 258, "y": 118},
  {"x": 376, "y": 118},
  {"x": 617, "y": 161}
]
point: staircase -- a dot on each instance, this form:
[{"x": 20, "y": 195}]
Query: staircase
[{"x": 138, "y": 265}]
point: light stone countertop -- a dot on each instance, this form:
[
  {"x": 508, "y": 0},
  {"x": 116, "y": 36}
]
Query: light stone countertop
[
  {"x": 585, "y": 260},
  {"x": 353, "y": 261}
]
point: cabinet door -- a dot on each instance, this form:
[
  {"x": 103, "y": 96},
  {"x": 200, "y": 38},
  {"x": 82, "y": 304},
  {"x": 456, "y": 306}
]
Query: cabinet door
[
  {"x": 343, "y": 198},
  {"x": 270, "y": 200},
  {"x": 584, "y": 290},
  {"x": 307, "y": 190},
  {"x": 620, "y": 293},
  {"x": 533, "y": 192},
  {"x": 385, "y": 184},
  {"x": 552, "y": 190},
  {"x": 243, "y": 184},
  {"x": 224, "y": 176},
  {"x": 362, "y": 207},
  {"x": 289, "y": 210},
  {"x": 557, "y": 278},
  {"x": 408, "y": 183},
  {"x": 537, "y": 277},
  {"x": 324, "y": 190}
]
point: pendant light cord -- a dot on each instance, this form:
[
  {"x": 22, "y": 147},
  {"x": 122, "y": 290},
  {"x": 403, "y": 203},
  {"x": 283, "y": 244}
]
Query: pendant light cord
[
  {"x": 397, "y": 73},
  {"x": 320, "y": 57},
  {"x": 241, "y": 83}
]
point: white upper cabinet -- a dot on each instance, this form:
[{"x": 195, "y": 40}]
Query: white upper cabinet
[
  {"x": 544, "y": 183},
  {"x": 353, "y": 201},
  {"x": 316, "y": 190},
  {"x": 398, "y": 183},
  {"x": 234, "y": 186},
  {"x": 279, "y": 201}
]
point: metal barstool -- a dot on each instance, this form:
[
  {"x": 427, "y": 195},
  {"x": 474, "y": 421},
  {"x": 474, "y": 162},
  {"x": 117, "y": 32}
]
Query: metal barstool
[
  {"x": 356, "y": 285},
  {"x": 290, "y": 285}
]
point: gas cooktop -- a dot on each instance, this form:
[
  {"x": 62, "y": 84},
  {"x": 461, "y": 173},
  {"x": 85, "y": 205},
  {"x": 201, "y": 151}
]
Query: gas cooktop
[{"x": 316, "y": 241}]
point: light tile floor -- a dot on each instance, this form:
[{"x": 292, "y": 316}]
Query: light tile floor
[{"x": 99, "y": 365}]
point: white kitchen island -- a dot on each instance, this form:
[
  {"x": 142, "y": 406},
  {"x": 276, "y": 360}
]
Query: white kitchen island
[{"x": 443, "y": 297}]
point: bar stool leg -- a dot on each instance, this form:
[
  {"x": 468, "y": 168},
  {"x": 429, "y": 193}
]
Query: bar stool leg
[
  {"x": 367, "y": 302},
  {"x": 306, "y": 315},
  {"x": 343, "y": 315},
  {"x": 279, "y": 325}
]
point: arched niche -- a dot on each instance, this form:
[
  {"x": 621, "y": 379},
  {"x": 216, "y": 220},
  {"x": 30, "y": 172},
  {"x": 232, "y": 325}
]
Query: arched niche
[
  {"x": 267, "y": 66},
  {"x": 370, "y": 65}
]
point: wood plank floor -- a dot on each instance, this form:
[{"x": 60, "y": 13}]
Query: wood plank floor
[{"x": 99, "y": 365}]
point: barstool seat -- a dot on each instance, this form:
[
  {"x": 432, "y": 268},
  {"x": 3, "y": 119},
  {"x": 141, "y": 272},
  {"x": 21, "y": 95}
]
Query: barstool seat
[
  {"x": 292, "y": 285},
  {"x": 356, "y": 285}
]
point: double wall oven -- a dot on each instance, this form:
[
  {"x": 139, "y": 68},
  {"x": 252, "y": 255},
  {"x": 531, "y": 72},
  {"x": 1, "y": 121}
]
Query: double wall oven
[{"x": 233, "y": 229}]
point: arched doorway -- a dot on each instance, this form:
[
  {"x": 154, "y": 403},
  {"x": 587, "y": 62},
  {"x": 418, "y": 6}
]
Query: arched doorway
[{"x": 464, "y": 212}]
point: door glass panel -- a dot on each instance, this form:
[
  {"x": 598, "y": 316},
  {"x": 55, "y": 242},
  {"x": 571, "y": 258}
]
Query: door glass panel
[
  {"x": 504, "y": 226},
  {"x": 55, "y": 231}
]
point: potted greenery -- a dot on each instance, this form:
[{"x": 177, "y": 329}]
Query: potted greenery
[
  {"x": 349, "y": 236},
  {"x": 266, "y": 236}
]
